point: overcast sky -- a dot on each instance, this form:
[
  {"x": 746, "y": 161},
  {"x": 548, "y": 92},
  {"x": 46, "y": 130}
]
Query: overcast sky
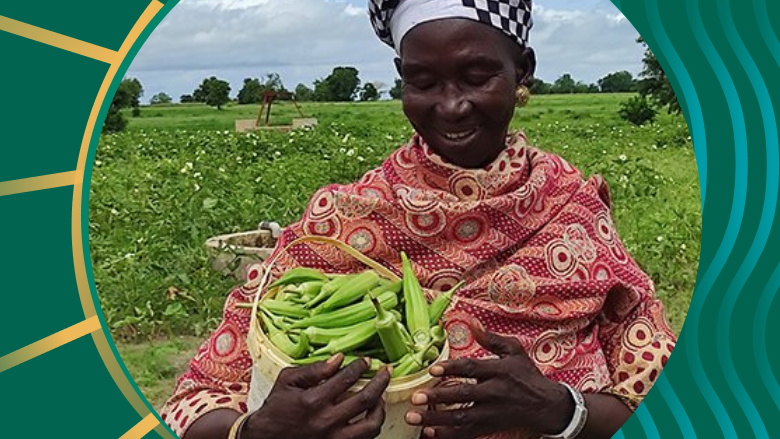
[{"x": 303, "y": 40}]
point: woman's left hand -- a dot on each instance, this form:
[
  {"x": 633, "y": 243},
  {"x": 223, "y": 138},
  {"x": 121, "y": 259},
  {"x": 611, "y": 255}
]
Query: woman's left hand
[{"x": 510, "y": 394}]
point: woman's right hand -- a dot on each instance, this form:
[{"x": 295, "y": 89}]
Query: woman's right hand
[{"x": 308, "y": 402}]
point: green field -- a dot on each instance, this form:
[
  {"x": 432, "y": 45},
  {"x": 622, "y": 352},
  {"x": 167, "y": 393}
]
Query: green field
[{"x": 179, "y": 175}]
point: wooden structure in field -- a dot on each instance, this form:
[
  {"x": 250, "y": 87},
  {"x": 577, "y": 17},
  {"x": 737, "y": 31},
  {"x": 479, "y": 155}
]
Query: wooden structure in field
[{"x": 244, "y": 125}]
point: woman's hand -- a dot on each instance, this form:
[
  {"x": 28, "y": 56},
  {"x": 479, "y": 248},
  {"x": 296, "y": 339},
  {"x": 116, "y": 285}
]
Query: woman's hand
[
  {"x": 308, "y": 402},
  {"x": 509, "y": 394}
]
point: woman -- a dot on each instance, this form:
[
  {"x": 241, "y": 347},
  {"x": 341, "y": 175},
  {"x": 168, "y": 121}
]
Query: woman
[{"x": 557, "y": 332}]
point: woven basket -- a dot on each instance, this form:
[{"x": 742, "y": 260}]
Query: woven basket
[{"x": 269, "y": 360}]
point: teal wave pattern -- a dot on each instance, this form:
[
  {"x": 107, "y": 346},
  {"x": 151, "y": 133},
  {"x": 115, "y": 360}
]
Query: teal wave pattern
[{"x": 723, "y": 60}]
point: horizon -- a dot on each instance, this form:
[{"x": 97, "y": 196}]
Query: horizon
[{"x": 586, "y": 38}]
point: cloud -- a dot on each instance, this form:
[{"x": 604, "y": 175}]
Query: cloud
[{"x": 303, "y": 40}]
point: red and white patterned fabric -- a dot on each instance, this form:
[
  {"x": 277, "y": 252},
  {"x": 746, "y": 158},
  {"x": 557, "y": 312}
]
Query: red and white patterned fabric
[{"x": 534, "y": 241}]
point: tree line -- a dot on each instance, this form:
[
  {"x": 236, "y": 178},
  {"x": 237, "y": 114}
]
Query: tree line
[{"x": 344, "y": 85}]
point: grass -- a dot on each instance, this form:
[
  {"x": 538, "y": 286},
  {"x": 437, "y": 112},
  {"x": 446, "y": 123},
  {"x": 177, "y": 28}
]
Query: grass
[
  {"x": 155, "y": 365},
  {"x": 180, "y": 175}
]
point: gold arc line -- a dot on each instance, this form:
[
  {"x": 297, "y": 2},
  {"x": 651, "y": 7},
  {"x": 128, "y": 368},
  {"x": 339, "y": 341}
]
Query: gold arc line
[
  {"x": 88, "y": 305},
  {"x": 58, "y": 40},
  {"x": 140, "y": 429},
  {"x": 37, "y": 183},
  {"x": 49, "y": 343}
]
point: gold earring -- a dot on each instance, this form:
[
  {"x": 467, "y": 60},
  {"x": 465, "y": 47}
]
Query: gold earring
[{"x": 522, "y": 96}]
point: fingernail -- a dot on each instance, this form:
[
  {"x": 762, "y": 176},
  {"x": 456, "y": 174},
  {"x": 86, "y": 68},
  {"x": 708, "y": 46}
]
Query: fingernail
[
  {"x": 419, "y": 398},
  {"x": 430, "y": 432},
  {"x": 413, "y": 418},
  {"x": 334, "y": 359},
  {"x": 437, "y": 371},
  {"x": 389, "y": 369},
  {"x": 368, "y": 361}
]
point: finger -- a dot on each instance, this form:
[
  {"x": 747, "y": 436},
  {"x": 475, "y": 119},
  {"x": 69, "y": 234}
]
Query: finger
[
  {"x": 495, "y": 343},
  {"x": 472, "y": 418},
  {"x": 452, "y": 433},
  {"x": 366, "y": 428},
  {"x": 457, "y": 394},
  {"x": 312, "y": 374},
  {"x": 369, "y": 396},
  {"x": 465, "y": 368},
  {"x": 339, "y": 383}
]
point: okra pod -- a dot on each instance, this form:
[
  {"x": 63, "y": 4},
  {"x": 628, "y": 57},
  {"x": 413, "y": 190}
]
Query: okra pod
[
  {"x": 351, "y": 291},
  {"x": 389, "y": 331},
  {"x": 411, "y": 362},
  {"x": 348, "y": 342},
  {"x": 416, "y": 306},
  {"x": 323, "y": 336},
  {"x": 328, "y": 289},
  {"x": 348, "y": 359},
  {"x": 283, "y": 308},
  {"x": 349, "y": 315},
  {"x": 283, "y": 342},
  {"x": 310, "y": 289},
  {"x": 440, "y": 303},
  {"x": 437, "y": 334},
  {"x": 298, "y": 275}
]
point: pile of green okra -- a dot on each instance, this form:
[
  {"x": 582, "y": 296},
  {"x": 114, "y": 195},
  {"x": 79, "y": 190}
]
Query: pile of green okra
[{"x": 312, "y": 316}]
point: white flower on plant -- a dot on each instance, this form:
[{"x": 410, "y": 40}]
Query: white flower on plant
[
  {"x": 351, "y": 152},
  {"x": 346, "y": 138},
  {"x": 197, "y": 175},
  {"x": 623, "y": 157},
  {"x": 197, "y": 187},
  {"x": 221, "y": 169},
  {"x": 659, "y": 238}
]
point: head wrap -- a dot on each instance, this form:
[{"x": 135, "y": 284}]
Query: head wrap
[{"x": 392, "y": 19}]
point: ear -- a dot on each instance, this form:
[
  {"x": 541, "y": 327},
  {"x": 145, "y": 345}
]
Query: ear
[
  {"x": 525, "y": 66},
  {"x": 397, "y": 62}
]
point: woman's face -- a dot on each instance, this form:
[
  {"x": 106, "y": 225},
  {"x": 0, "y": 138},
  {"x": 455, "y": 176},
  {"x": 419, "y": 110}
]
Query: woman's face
[{"x": 459, "y": 79}]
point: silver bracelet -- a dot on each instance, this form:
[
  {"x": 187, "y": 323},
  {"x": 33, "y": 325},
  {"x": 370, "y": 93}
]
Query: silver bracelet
[{"x": 578, "y": 420}]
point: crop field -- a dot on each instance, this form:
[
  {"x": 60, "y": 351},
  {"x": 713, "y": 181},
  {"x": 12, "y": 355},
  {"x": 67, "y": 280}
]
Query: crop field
[{"x": 180, "y": 174}]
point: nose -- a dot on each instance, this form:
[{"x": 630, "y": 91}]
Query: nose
[{"x": 453, "y": 104}]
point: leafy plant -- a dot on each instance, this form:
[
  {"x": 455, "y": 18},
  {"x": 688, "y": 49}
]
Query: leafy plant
[{"x": 638, "y": 110}]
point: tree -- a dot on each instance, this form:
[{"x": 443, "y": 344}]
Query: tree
[
  {"x": 617, "y": 82},
  {"x": 397, "y": 90},
  {"x": 115, "y": 122},
  {"x": 251, "y": 92},
  {"x": 369, "y": 92},
  {"x": 131, "y": 92},
  {"x": 539, "y": 87},
  {"x": 564, "y": 84},
  {"x": 213, "y": 91},
  {"x": 303, "y": 93},
  {"x": 582, "y": 87},
  {"x": 184, "y": 99},
  {"x": 273, "y": 82},
  {"x": 160, "y": 98},
  {"x": 340, "y": 86},
  {"x": 655, "y": 83}
]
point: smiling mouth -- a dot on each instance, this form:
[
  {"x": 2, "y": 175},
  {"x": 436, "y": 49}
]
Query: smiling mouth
[{"x": 458, "y": 135}]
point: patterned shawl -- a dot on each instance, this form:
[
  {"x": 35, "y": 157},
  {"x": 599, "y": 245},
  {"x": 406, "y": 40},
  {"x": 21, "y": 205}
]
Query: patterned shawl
[{"x": 534, "y": 241}]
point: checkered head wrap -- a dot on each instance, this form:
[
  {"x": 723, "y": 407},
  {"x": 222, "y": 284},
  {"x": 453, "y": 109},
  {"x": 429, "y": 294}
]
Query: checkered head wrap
[{"x": 392, "y": 19}]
